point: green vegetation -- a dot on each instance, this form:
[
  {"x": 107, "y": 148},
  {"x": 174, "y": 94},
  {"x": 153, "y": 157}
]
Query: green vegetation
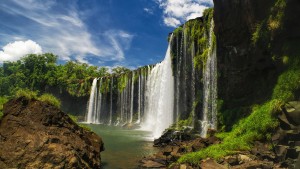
[
  {"x": 254, "y": 127},
  {"x": 49, "y": 98},
  {"x": 46, "y": 97},
  {"x": 122, "y": 82},
  {"x": 199, "y": 31},
  {"x": 75, "y": 119},
  {"x": 265, "y": 31},
  {"x": 28, "y": 94},
  {"x": 41, "y": 72},
  {"x": 3, "y": 100},
  {"x": 181, "y": 124}
]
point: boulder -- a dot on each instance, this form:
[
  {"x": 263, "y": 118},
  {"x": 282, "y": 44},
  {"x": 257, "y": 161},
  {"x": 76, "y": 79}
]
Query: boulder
[
  {"x": 292, "y": 112},
  {"x": 151, "y": 164},
  {"x": 34, "y": 134},
  {"x": 211, "y": 164}
]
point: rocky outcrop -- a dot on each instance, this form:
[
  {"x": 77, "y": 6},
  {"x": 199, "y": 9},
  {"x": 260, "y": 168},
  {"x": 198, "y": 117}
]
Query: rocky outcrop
[
  {"x": 34, "y": 134},
  {"x": 172, "y": 145}
]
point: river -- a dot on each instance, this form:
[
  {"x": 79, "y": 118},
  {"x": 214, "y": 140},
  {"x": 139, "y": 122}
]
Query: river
[{"x": 123, "y": 148}]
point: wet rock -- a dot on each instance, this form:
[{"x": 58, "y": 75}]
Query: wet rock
[
  {"x": 152, "y": 164},
  {"x": 244, "y": 158},
  {"x": 171, "y": 135},
  {"x": 211, "y": 164},
  {"x": 33, "y": 135},
  {"x": 255, "y": 165},
  {"x": 232, "y": 160}
]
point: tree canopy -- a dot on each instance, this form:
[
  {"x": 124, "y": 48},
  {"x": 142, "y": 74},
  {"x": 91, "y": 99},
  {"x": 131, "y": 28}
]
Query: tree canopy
[{"x": 41, "y": 71}]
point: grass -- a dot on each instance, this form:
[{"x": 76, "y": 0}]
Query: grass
[
  {"x": 252, "y": 128},
  {"x": 75, "y": 119},
  {"x": 49, "y": 98},
  {"x": 28, "y": 94}
]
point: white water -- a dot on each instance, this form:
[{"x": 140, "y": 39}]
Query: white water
[
  {"x": 131, "y": 98},
  {"x": 111, "y": 100},
  {"x": 209, "y": 119},
  {"x": 91, "y": 108},
  {"x": 98, "y": 104},
  {"x": 139, "y": 101},
  {"x": 160, "y": 97}
]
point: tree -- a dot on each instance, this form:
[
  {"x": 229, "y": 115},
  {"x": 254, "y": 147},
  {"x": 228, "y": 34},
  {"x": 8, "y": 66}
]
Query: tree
[{"x": 120, "y": 70}]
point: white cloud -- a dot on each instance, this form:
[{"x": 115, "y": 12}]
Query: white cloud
[
  {"x": 148, "y": 10},
  {"x": 14, "y": 51},
  {"x": 120, "y": 41},
  {"x": 176, "y": 12},
  {"x": 172, "y": 22},
  {"x": 64, "y": 33}
]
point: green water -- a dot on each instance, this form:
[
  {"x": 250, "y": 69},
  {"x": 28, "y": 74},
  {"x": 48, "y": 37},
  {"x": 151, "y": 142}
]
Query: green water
[{"x": 123, "y": 148}]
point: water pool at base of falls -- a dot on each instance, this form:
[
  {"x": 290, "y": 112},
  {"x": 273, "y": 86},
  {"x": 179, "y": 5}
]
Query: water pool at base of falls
[{"x": 123, "y": 148}]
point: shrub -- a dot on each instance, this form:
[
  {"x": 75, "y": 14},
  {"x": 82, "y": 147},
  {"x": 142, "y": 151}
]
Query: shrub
[
  {"x": 26, "y": 93},
  {"x": 49, "y": 98}
]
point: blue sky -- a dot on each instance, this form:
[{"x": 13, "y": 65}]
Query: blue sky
[{"x": 129, "y": 33}]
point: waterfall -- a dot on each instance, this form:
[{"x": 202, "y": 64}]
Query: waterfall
[
  {"x": 111, "y": 100},
  {"x": 139, "y": 101},
  {"x": 98, "y": 104},
  {"x": 156, "y": 95},
  {"x": 91, "y": 107},
  {"x": 209, "y": 119},
  {"x": 193, "y": 90},
  {"x": 131, "y": 98},
  {"x": 160, "y": 97}
]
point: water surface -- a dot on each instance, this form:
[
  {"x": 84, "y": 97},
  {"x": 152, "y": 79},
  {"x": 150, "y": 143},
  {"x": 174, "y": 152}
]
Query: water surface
[{"x": 123, "y": 148}]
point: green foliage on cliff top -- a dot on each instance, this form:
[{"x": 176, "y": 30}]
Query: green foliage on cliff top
[{"x": 199, "y": 31}]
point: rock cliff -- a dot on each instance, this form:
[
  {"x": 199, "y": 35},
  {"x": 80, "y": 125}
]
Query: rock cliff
[
  {"x": 35, "y": 134},
  {"x": 254, "y": 42}
]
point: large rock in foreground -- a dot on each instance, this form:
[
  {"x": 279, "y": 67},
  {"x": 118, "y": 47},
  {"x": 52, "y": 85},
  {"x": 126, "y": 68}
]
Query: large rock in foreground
[{"x": 34, "y": 134}]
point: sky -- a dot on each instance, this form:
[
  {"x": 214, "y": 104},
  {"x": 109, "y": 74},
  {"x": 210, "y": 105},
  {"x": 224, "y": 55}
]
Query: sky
[{"x": 130, "y": 33}]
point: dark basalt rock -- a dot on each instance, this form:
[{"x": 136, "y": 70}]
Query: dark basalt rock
[
  {"x": 247, "y": 73},
  {"x": 34, "y": 134},
  {"x": 171, "y": 135}
]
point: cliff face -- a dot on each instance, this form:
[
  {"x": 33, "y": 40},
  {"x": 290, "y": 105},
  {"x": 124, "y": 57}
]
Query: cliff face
[
  {"x": 255, "y": 39},
  {"x": 34, "y": 134}
]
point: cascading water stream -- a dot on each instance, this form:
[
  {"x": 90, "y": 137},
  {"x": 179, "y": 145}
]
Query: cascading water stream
[
  {"x": 91, "y": 108},
  {"x": 131, "y": 98},
  {"x": 160, "y": 97},
  {"x": 98, "y": 104},
  {"x": 139, "y": 101},
  {"x": 111, "y": 100},
  {"x": 209, "y": 119}
]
